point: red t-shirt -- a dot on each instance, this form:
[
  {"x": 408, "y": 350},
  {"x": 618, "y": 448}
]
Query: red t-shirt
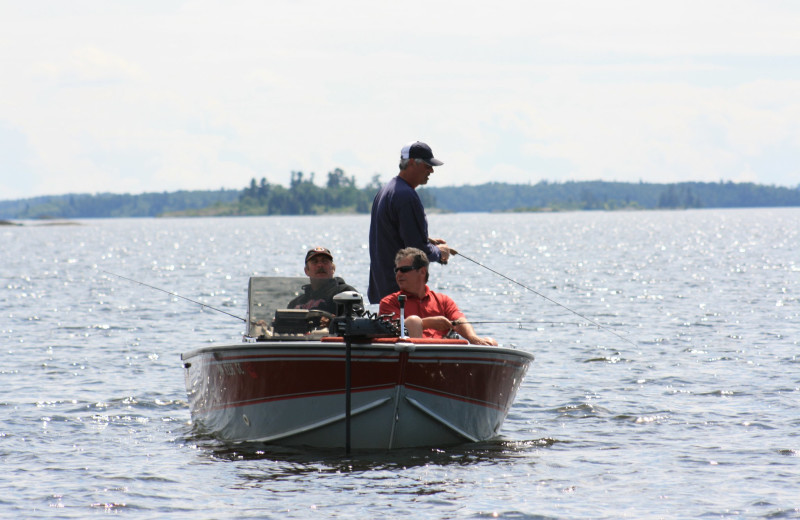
[{"x": 432, "y": 304}]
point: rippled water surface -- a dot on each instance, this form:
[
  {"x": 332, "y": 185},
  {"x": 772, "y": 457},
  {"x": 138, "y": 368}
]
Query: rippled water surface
[{"x": 685, "y": 404}]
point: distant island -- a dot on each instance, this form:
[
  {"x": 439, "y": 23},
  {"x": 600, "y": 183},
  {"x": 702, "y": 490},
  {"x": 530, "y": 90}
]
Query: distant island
[{"x": 340, "y": 194}]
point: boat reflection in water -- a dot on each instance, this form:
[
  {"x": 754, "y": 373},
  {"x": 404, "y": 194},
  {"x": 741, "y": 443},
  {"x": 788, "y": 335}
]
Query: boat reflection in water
[{"x": 306, "y": 378}]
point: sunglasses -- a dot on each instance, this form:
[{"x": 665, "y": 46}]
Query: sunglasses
[{"x": 405, "y": 269}]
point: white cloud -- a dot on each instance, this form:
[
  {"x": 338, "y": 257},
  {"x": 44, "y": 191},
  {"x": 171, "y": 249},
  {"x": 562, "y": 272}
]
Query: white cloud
[
  {"x": 168, "y": 95},
  {"x": 87, "y": 66}
]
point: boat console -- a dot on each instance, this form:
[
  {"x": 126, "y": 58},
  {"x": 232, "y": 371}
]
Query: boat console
[{"x": 269, "y": 320}]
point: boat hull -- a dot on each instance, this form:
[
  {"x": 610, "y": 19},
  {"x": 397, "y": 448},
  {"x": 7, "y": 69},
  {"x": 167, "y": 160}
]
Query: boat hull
[{"x": 403, "y": 394}]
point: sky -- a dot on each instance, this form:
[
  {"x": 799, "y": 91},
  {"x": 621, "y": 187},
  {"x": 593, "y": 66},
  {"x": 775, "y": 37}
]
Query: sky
[{"x": 140, "y": 96}]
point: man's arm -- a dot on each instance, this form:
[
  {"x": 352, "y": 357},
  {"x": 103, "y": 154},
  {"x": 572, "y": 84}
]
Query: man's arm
[
  {"x": 437, "y": 323},
  {"x": 465, "y": 330},
  {"x": 458, "y": 321}
]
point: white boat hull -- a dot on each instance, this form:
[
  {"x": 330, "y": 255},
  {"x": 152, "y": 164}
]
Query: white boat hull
[{"x": 402, "y": 394}]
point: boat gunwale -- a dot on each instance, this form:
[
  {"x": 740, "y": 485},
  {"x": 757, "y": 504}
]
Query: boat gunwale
[{"x": 299, "y": 346}]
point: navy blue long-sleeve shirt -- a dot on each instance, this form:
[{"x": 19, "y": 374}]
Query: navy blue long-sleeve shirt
[{"x": 398, "y": 221}]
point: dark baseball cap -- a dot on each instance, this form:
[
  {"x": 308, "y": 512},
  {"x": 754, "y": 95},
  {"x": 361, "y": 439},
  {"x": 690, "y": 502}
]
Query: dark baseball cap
[
  {"x": 318, "y": 251},
  {"x": 421, "y": 151}
]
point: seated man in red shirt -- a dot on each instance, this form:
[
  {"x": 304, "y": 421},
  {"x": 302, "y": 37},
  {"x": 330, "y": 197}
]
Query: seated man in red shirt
[{"x": 427, "y": 314}]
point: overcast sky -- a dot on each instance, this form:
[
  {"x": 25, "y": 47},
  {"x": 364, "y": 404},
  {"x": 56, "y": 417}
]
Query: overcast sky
[{"x": 163, "y": 95}]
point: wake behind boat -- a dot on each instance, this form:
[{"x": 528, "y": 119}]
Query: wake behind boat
[{"x": 307, "y": 378}]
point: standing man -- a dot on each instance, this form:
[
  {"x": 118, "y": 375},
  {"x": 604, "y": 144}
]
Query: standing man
[
  {"x": 319, "y": 293},
  {"x": 428, "y": 314},
  {"x": 398, "y": 220}
]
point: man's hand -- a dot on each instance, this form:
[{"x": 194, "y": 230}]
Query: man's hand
[
  {"x": 483, "y": 341},
  {"x": 444, "y": 249},
  {"x": 444, "y": 253}
]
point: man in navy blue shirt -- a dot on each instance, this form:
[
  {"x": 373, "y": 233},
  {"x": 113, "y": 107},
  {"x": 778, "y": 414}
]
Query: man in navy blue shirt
[{"x": 398, "y": 221}]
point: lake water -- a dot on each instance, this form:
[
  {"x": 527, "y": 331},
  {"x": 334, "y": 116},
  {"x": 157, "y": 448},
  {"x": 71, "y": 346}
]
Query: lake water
[{"x": 686, "y": 404}]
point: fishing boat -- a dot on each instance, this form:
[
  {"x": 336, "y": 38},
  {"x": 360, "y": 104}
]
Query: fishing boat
[{"x": 311, "y": 379}]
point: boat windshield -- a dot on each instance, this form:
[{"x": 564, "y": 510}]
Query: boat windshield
[{"x": 265, "y": 295}]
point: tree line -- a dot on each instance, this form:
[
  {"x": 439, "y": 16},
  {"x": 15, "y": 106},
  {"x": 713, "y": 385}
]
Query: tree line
[
  {"x": 111, "y": 205},
  {"x": 602, "y": 195},
  {"x": 304, "y": 197},
  {"x": 341, "y": 194}
]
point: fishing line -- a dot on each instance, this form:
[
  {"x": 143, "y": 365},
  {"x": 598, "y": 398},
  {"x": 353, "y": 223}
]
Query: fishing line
[
  {"x": 593, "y": 322},
  {"x": 174, "y": 294},
  {"x": 524, "y": 324}
]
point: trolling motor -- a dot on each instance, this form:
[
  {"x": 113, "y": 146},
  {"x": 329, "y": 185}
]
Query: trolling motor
[
  {"x": 402, "y": 300},
  {"x": 365, "y": 325}
]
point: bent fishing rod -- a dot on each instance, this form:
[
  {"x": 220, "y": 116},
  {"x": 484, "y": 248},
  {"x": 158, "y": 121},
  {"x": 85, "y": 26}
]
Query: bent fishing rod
[
  {"x": 593, "y": 322},
  {"x": 174, "y": 294}
]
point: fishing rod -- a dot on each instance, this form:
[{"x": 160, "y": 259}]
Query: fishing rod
[
  {"x": 522, "y": 324},
  {"x": 593, "y": 322},
  {"x": 518, "y": 322},
  {"x": 559, "y": 322},
  {"x": 174, "y": 294}
]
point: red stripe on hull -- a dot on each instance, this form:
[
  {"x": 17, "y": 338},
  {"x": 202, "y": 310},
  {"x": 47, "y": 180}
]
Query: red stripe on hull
[{"x": 240, "y": 379}]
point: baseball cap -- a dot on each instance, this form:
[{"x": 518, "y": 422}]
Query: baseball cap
[
  {"x": 318, "y": 251},
  {"x": 421, "y": 151}
]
